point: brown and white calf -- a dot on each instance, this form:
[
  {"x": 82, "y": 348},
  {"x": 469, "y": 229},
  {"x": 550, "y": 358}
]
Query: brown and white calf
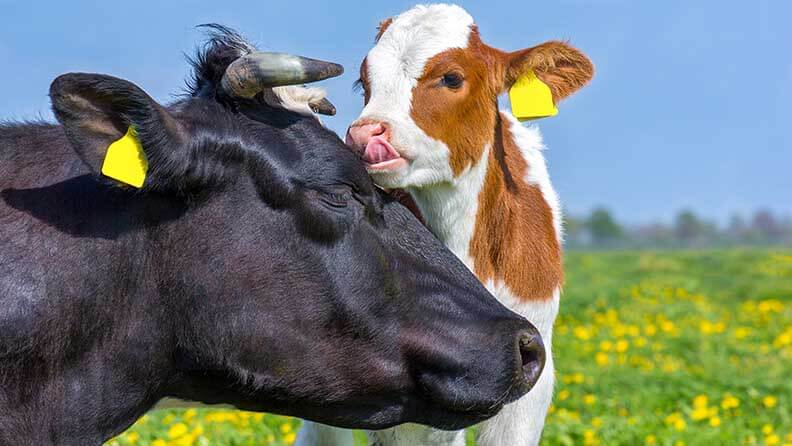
[{"x": 431, "y": 126}]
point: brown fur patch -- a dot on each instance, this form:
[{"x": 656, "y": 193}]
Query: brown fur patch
[
  {"x": 462, "y": 118},
  {"x": 514, "y": 239}
]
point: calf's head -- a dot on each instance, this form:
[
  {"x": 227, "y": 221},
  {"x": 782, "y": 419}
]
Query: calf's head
[
  {"x": 431, "y": 88},
  {"x": 291, "y": 283}
]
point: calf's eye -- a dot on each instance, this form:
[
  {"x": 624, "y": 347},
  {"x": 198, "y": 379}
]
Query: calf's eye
[{"x": 452, "y": 80}]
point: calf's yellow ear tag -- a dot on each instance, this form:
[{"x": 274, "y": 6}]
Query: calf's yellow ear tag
[
  {"x": 125, "y": 160},
  {"x": 531, "y": 98}
]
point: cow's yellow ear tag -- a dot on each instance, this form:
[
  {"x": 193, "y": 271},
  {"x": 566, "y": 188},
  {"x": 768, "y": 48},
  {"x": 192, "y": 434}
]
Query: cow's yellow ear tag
[
  {"x": 531, "y": 98},
  {"x": 125, "y": 160}
]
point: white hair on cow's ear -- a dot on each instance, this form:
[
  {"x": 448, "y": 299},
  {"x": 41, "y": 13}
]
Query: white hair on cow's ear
[{"x": 295, "y": 98}]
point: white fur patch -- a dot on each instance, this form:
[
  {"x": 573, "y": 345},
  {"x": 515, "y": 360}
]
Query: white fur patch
[
  {"x": 394, "y": 66},
  {"x": 450, "y": 209},
  {"x": 295, "y": 98}
]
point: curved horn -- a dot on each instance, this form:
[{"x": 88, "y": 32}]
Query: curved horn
[
  {"x": 249, "y": 74},
  {"x": 323, "y": 107}
]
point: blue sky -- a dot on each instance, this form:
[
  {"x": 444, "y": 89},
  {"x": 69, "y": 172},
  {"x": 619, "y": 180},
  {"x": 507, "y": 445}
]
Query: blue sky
[{"x": 691, "y": 105}]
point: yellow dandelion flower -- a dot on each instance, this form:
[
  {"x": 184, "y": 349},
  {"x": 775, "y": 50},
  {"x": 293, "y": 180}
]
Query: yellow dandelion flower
[
  {"x": 767, "y": 429},
  {"x": 650, "y": 330},
  {"x": 285, "y": 428},
  {"x": 671, "y": 418},
  {"x": 159, "y": 442},
  {"x": 589, "y": 399},
  {"x": 596, "y": 422},
  {"x": 289, "y": 438},
  {"x": 651, "y": 439},
  {"x": 700, "y": 401},
  {"x": 132, "y": 437},
  {"x": 769, "y": 401},
  {"x": 601, "y": 358},
  {"x": 563, "y": 394},
  {"x": 729, "y": 402},
  {"x": 783, "y": 339},
  {"x": 714, "y": 421},
  {"x": 622, "y": 345},
  {"x": 772, "y": 440},
  {"x": 679, "y": 443},
  {"x": 189, "y": 414},
  {"x": 177, "y": 430},
  {"x": 680, "y": 424},
  {"x": 187, "y": 440},
  {"x": 606, "y": 346},
  {"x": 742, "y": 332},
  {"x": 699, "y": 413},
  {"x": 582, "y": 333},
  {"x": 667, "y": 326}
]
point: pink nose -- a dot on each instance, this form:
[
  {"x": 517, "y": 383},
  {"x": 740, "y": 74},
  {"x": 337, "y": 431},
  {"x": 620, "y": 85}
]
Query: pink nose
[{"x": 359, "y": 135}]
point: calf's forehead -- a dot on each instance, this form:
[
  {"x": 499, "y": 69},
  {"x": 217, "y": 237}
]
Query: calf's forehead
[{"x": 413, "y": 38}]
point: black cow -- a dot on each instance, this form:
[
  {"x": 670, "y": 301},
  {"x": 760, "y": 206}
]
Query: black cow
[{"x": 257, "y": 266}]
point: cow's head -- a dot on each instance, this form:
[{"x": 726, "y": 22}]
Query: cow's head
[
  {"x": 291, "y": 283},
  {"x": 431, "y": 88}
]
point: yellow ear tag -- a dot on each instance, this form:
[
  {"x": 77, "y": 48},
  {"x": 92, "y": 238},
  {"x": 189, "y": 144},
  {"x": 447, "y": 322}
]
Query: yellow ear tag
[
  {"x": 531, "y": 98},
  {"x": 125, "y": 160}
]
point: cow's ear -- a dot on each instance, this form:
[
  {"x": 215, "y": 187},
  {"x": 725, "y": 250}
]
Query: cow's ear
[
  {"x": 559, "y": 65},
  {"x": 116, "y": 128},
  {"x": 382, "y": 27}
]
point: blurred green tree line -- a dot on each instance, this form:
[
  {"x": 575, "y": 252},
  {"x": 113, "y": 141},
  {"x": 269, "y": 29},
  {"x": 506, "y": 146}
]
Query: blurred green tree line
[{"x": 601, "y": 230}]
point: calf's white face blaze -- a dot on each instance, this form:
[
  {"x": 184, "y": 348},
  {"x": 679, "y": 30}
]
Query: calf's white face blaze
[{"x": 393, "y": 68}]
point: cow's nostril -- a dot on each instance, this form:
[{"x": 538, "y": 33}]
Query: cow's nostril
[
  {"x": 379, "y": 129},
  {"x": 532, "y": 356}
]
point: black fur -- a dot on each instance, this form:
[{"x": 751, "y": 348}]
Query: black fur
[{"x": 258, "y": 266}]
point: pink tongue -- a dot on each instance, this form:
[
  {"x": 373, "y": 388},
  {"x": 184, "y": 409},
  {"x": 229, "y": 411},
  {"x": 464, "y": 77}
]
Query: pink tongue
[{"x": 379, "y": 150}]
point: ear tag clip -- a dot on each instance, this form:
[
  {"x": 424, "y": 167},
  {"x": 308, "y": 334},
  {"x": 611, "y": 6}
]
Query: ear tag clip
[
  {"x": 125, "y": 160},
  {"x": 531, "y": 98}
]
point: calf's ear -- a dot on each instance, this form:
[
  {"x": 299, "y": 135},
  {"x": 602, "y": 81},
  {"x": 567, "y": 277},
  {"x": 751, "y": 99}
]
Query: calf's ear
[
  {"x": 559, "y": 65},
  {"x": 116, "y": 128}
]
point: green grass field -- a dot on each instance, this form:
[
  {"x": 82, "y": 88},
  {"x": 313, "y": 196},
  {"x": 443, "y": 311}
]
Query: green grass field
[{"x": 677, "y": 348}]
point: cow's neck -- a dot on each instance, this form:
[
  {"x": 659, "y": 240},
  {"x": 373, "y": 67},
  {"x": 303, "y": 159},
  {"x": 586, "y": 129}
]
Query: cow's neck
[
  {"x": 500, "y": 216},
  {"x": 449, "y": 209}
]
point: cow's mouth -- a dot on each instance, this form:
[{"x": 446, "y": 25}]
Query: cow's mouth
[{"x": 380, "y": 156}]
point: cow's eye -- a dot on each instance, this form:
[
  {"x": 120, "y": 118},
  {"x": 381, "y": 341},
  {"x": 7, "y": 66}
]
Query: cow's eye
[
  {"x": 452, "y": 80},
  {"x": 336, "y": 200},
  {"x": 359, "y": 86}
]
